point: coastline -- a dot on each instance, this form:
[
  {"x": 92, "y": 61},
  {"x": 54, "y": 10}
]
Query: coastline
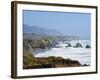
[{"x": 31, "y": 62}]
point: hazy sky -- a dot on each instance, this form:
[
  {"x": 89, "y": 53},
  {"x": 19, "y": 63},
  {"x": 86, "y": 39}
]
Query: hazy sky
[{"x": 68, "y": 23}]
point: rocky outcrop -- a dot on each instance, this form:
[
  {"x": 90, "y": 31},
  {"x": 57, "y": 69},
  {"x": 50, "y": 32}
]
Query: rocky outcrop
[
  {"x": 37, "y": 44},
  {"x": 78, "y": 45},
  {"x": 88, "y": 46},
  {"x": 69, "y": 45},
  {"x": 50, "y": 62}
]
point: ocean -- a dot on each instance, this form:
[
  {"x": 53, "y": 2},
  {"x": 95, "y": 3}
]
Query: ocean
[{"x": 82, "y": 54}]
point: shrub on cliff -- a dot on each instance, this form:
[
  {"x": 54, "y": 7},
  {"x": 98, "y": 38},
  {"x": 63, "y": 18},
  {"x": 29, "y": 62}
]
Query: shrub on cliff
[{"x": 48, "y": 62}]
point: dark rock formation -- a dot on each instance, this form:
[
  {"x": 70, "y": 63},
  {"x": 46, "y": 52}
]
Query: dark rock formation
[
  {"x": 88, "y": 46},
  {"x": 69, "y": 45},
  {"x": 78, "y": 45},
  {"x": 85, "y": 65}
]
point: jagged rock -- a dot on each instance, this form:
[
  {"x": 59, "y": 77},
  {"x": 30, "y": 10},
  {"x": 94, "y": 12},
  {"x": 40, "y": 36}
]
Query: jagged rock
[
  {"x": 88, "y": 46},
  {"x": 85, "y": 65},
  {"x": 78, "y": 45},
  {"x": 69, "y": 45}
]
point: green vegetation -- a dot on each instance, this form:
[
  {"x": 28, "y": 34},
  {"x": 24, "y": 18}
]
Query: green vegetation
[{"x": 31, "y": 62}]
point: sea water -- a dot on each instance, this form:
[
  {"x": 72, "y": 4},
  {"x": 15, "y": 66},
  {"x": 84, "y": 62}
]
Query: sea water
[{"x": 83, "y": 55}]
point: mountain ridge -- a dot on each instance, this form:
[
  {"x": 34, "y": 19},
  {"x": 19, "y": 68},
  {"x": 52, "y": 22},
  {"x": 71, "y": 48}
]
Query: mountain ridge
[{"x": 38, "y": 30}]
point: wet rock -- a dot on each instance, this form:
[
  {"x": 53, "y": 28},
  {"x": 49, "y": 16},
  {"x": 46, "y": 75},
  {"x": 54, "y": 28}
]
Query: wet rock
[
  {"x": 88, "y": 46},
  {"x": 85, "y": 65},
  {"x": 78, "y": 45},
  {"x": 69, "y": 45}
]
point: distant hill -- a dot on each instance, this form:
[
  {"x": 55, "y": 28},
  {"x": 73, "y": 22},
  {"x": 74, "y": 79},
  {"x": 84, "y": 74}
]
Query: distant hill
[
  {"x": 40, "y": 31},
  {"x": 33, "y": 32}
]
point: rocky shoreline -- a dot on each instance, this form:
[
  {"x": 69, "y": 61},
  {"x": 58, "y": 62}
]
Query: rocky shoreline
[{"x": 31, "y": 62}]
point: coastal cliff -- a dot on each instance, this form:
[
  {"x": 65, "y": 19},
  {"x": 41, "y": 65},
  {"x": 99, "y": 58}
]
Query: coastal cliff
[{"x": 31, "y": 62}]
